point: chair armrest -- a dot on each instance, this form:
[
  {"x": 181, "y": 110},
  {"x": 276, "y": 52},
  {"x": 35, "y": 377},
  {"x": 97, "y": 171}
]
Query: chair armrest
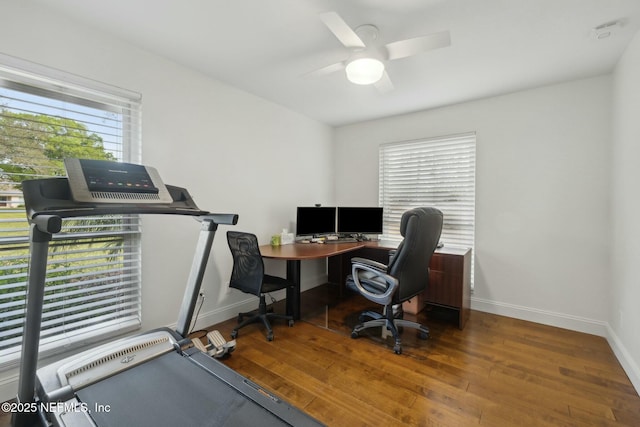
[
  {"x": 370, "y": 263},
  {"x": 365, "y": 272}
]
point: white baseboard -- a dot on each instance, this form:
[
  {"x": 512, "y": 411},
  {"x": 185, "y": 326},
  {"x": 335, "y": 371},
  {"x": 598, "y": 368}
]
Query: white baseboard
[
  {"x": 629, "y": 365},
  {"x": 8, "y": 386},
  {"x": 223, "y": 313},
  {"x": 248, "y": 304},
  {"x": 545, "y": 317},
  {"x": 561, "y": 320}
]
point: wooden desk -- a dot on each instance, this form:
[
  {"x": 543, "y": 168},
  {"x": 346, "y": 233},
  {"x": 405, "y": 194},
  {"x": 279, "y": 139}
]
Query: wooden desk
[
  {"x": 297, "y": 252},
  {"x": 449, "y": 276}
]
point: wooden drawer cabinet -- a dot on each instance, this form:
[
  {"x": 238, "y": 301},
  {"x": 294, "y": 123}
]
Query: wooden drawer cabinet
[{"x": 450, "y": 281}]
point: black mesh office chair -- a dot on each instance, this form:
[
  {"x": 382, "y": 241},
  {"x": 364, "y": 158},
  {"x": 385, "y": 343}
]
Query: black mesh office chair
[
  {"x": 406, "y": 275},
  {"x": 248, "y": 276}
]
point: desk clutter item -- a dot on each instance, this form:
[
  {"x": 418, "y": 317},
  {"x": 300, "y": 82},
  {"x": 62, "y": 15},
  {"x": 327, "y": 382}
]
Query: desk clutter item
[{"x": 286, "y": 238}]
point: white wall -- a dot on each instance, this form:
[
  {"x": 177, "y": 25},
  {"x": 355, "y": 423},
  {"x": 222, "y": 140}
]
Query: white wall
[
  {"x": 233, "y": 151},
  {"x": 542, "y": 209},
  {"x": 543, "y": 178},
  {"x": 624, "y": 316}
]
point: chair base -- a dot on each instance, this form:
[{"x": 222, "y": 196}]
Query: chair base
[
  {"x": 260, "y": 315},
  {"x": 390, "y": 322}
]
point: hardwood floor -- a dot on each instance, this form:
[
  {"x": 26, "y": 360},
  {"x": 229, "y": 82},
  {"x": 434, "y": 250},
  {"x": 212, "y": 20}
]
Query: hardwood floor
[{"x": 498, "y": 371}]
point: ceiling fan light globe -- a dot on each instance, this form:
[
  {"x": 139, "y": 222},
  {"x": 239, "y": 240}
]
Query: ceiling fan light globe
[{"x": 364, "y": 71}]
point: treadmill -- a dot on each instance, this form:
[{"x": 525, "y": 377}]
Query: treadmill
[{"x": 157, "y": 378}]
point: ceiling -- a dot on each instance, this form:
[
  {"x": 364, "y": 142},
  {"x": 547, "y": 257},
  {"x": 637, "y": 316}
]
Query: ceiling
[{"x": 266, "y": 47}]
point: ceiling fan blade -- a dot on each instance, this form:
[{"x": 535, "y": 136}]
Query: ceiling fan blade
[
  {"x": 384, "y": 85},
  {"x": 326, "y": 70},
  {"x": 341, "y": 30},
  {"x": 410, "y": 47}
]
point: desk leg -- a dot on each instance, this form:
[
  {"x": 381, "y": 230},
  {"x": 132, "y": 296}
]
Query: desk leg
[{"x": 293, "y": 295}]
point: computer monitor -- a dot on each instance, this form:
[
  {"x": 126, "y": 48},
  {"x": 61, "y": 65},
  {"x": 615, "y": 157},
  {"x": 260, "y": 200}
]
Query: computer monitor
[
  {"x": 360, "y": 220},
  {"x": 313, "y": 221}
]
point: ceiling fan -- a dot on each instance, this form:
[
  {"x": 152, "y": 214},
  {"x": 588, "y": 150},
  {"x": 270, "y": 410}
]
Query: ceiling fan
[{"x": 365, "y": 64}]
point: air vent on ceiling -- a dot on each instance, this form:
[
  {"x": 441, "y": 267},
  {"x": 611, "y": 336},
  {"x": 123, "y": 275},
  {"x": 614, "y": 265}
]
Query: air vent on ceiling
[{"x": 606, "y": 30}]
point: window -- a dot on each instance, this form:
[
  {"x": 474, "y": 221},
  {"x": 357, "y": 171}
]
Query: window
[
  {"x": 438, "y": 172},
  {"x": 93, "y": 273}
]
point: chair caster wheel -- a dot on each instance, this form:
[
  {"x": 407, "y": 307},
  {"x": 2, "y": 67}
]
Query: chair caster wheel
[
  {"x": 424, "y": 335},
  {"x": 234, "y": 334},
  {"x": 290, "y": 323},
  {"x": 397, "y": 349},
  {"x": 354, "y": 334},
  {"x": 270, "y": 337}
]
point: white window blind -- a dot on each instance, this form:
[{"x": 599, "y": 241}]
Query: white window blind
[
  {"x": 93, "y": 272},
  {"x": 437, "y": 172}
]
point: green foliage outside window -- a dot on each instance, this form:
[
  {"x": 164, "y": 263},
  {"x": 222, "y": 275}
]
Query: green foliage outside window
[{"x": 34, "y": 145}]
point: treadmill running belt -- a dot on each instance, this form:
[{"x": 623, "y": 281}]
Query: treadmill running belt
[{"x": 171, "y": 390}]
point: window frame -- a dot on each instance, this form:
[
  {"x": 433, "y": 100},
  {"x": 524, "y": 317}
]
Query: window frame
[
  {"x": 438, "y": 172},
  {"x": 35, "y": 79}
]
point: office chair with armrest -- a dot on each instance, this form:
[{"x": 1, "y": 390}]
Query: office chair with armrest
[
  {"x": 248, "y": 276},
  {"x": 406, "y": 275}
]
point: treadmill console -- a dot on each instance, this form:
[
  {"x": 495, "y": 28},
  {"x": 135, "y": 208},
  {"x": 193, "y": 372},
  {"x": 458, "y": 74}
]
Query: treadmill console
[{"x": 103, "y": 181}]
